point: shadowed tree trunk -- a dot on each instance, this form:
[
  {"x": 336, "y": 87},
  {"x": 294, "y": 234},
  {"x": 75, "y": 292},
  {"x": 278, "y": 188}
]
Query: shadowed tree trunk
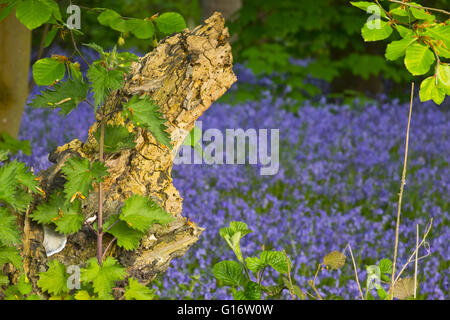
[
  {"x": 226, "y": 7},
  {"x": 184, "y": 75},
  {"x": 15, "y": 49}
]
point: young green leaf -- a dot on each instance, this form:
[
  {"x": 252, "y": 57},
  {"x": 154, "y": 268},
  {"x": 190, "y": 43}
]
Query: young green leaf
[
  {"x": 80, "y": 175},
  {"x": 7, "y": 142},
  {"x": 26, "y": 177},
  {"x": 10, "y": 255},
  {"x": 418, "y": 59},
  {"x": 8, "y": 182},
  {"x": 252, "y": 291},
  {"x": 385, "y": 266},
  {"x": 54, "y": 280},
  {"x": 170, "y": 22},
  {"x": 33, "y": 13},
  {"x": 48, "y": 70},
  {"x": 140, "y": 213},
  {"x": 103, "y": 277},
  {"x": 112, "y": 19},
  {"x": 277, "y": 260},
  {"x": 9, "y": 233},
  {"x": 127, "y": 237},
  {"x": 141, "y": 29},
  {"x": 440, "y": 32},
  {"x": 65, "y": 95},
  {"x": 376, "y": 30},
  {"x": 116, "y": 138},
  {"x": 443, "y": 77},
  {"x": 230, "y": 272},
  {"x": 397, "y": 49},
  {"x": 137, "y": 291},
  {"x": 429, "y": 91},
  {"x": 145, "y": 113},
  {"x": 254, "y": 264},
  {"x": 24, "y": 285},
  {"x": 104, "y": 81}
]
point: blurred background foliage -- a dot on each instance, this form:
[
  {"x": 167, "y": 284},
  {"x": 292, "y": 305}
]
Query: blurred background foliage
[{"x": 309, "y": 48}]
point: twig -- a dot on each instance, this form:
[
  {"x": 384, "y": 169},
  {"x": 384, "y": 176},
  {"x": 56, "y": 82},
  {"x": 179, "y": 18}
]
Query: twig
[
  {"x": 356, "y": 271},
  {"x": 312, "y": 283},
  {"x": 422, "y": 243},
  {"x": 107, "y": 248},
  {"x": 415, "y": 266},
  {"x": 100, "y": 197},
  {"x": 400, "y": 196},
  {"x": 417, "y": 7},
  {"x": 291, "y": 286}
]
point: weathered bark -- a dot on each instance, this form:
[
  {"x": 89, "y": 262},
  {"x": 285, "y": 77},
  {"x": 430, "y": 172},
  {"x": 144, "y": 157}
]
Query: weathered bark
[
  {"x": 184, "y": 74},
  {"x": 15, "y": 49}
]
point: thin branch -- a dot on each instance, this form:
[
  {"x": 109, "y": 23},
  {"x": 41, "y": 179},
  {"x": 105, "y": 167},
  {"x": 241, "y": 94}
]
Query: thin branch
[
  {"x": 107, "y": 248},
  {"x": 400, "y": 196},
  {"x": 417, "y": 7},
  {"x": 415, "y": 265},
  {"x": 312, "y": 283},
  {"x": 356, "y": 271},
  {"x": 100, "y": 197}
]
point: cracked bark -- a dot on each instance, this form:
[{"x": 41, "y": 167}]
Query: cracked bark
[{"x": 184, "y": 74}]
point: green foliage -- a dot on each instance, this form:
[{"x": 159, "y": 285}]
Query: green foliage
[
  {"x": 103, "y": 81},
  {"x": 54, "y": 280},
  {"x": 170, "y": 22},
  {"x": 230, "y": 272},
  {"x": 137, "y": 291},
  {"x": 65, "y": 95},
  {"x": 140, "y": 213},
  {"x": 127, "y": 237},
  {"x": 103, "y": 277},
  {"x": 8, "y": 143},
  {"x": 64, "y": 215},
  {"x": 424, "y": 43},
  {"x": 47, "y": 71},
  {"x": 9, "y": 234},
  {"x": 233, "y": 235},
  {"x": 81, "y": 174},
  {"x": 116, "y": 138},
  {"x": 145, "y": 113},
  {"x": 10, "y": 255}
]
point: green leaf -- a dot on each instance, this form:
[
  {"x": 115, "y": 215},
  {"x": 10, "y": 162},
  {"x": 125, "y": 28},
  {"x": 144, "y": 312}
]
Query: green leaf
[
  {"x": 376, "y": 30},
  {"x": 10, "y": 255},
  {"x": 46, "y": 71},
  {"x": 274, "y": 290},
  {"x": 127, "y": 237},
  {"x": 33, "y": 13},
  {"x": 443, "y": 77},
  {"x": 420, "y": 13},
  {"x": 116, "y": 138},
  {"x": 334, "y": 260},
  {"x": 4, "y": 154},
  {"x": 7, "y": 142},
  {"x": 277, "y": 260},
  {"x": 170, "y": 22},
  {"x": 230, "y": 272},
  {"x": 103, "y": 277},
  {"x": 385, "y": 266},
  {"x": 441, "y": 32},
  {"x": 112, "y": 19},
  {"x": 54, "y": 280},
  {"x": 53, "y": 5},
  {"x": 96, "y": 47},
  {"x": 142, "y": 29},
  {"x": 9, "y": 233},
  {"x": 140, "y": 213},
  {"x": 418, "y": 59},
  {"x": 65, "y": 95},
  {"x": 26, "y": 177},
  {"x": 83, "y": 295},
  {"x": 397, "y": 49},
  {"x": 233, "y": 235},
  {"x": 24, "y": 285},
  {"x": 104, "y": 81},
  {"x": 254, "y": 264},
  {"x": 193, "y": 137},
  {"x": 65, "y": 215},
  {"x": 364, "y": 5},
  {"x": 252, "y": 291},
  {"x": 137, "y": 291},
  {"x": 81, "y": 174},
  {"x": 403, "y": 31},
  {"x": 8, "y": 182},
  {"x": 429, "y": 91},
  {"x": 145, "y": 113}
]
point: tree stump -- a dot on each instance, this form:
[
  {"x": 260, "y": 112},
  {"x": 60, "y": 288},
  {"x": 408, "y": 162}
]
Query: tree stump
[{"x": 184, "y": 75}]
